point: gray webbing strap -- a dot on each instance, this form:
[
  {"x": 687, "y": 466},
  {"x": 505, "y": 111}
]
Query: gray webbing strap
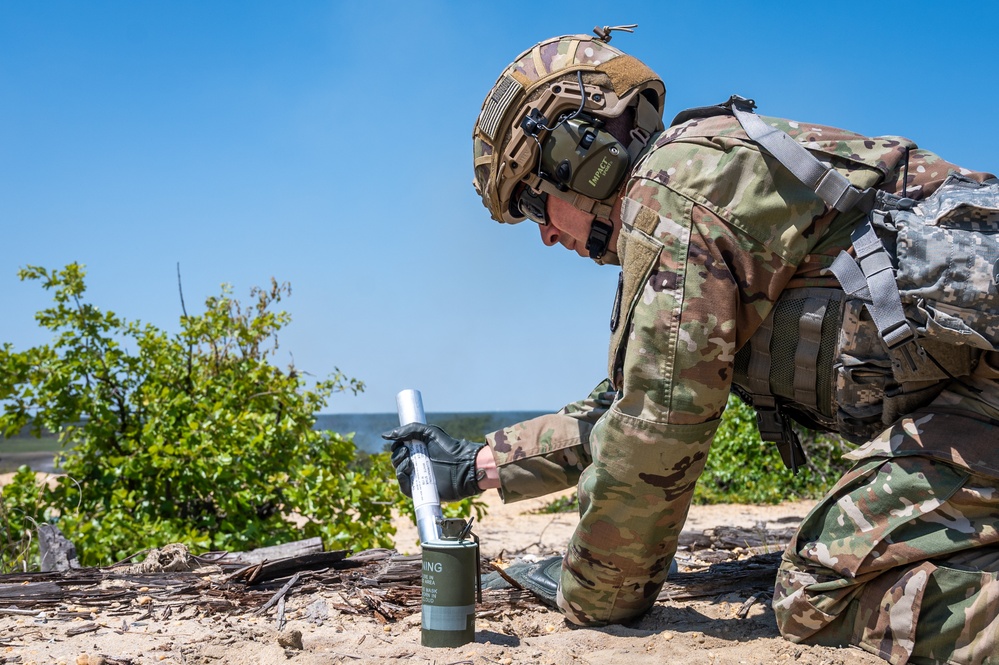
[
  {"x": 770, "y": 421},
  {"x": 647, "y": 120},
  {"x": 886, "y": 303},
  {"x": 834, "y": 188},
  {"x": 850, "y": 277},
  {"x": 758, "y": 372},
  {"x": 830, "y": 185},
  {"x": 758, "y": 377},
  {"x": 807, "y": 351}
]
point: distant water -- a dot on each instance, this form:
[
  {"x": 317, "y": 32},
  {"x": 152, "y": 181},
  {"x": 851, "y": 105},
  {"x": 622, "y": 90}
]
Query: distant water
[{"x": 368, "y": 427}]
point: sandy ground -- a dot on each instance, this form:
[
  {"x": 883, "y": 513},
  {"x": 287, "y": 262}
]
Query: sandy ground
[{"x": 702, "y": 632}]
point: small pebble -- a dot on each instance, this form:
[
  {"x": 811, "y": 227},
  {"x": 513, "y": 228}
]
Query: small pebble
[{"x": 291, "y": 640}]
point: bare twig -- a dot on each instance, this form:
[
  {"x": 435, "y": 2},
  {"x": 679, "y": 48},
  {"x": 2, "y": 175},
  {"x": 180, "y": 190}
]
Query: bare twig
[
  {"x": 80, "y": 630},
  {"x": 745, "y": 607},
  {"x": 130, "y": 557},
  {"x": 502, "y": 573},
  {"x": 280, "y": 594},
  {"x": 180, "y": 289},
  {"x": 280, "y": 614}
]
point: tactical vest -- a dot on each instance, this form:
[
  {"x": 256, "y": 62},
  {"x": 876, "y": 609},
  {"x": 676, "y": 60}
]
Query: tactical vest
[{"x": 919, "y": 304}]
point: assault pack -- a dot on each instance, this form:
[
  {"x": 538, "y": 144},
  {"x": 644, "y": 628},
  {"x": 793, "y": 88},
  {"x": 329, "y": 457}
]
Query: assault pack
[{"x": 919, "y": 303}]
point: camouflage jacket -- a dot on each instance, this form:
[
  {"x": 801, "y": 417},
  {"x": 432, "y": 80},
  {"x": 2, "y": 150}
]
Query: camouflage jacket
[{"x": 714, "y": 231}]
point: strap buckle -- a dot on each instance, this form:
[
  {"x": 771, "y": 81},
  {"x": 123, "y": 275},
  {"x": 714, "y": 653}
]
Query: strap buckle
[
  {"x": 776, "y": 427},
  {"x": 897, "y": 334},
  {"x": 770, "y": 423},
  {"x": 740, "y": 102}
]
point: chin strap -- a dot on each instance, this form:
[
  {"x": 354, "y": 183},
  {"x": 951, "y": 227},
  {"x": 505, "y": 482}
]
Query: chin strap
[{"x": 596, "y": 243}]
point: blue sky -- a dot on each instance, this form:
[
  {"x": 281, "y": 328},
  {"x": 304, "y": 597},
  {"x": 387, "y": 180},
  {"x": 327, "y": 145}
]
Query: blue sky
[{"x": 327, "y": 144}]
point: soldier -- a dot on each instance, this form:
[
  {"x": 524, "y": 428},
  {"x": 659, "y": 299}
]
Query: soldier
[{"x": 727, "y": 284}]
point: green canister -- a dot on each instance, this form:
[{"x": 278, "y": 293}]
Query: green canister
[{"x": 450, "y": 584}]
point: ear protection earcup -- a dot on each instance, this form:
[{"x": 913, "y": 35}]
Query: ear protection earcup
[{"x": 579, "y": 155}]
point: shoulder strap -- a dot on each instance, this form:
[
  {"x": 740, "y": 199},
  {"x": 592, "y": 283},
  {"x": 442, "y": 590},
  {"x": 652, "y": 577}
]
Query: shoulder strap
[
  {"x": 828, "y": 183},
  {"x": 835, "y": 189}
]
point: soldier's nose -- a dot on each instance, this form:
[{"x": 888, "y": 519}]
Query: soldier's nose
[{"x": 549, "y": 234}]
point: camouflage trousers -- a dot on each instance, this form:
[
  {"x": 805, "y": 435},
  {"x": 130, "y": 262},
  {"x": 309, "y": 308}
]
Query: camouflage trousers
[{"x": 901, "y": 557}]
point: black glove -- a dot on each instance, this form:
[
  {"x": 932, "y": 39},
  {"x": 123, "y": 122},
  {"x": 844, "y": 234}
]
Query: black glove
[
  {"x": 453, "y": 460},
  {"x": 539, "y": 577}
]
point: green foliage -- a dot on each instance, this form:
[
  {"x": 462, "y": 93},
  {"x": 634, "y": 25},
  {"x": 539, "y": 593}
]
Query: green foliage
[
  {"x": 564, "y": 504},
  {"x": 743, "y": 469},
  {"x": 194, "y": 437},
  {"x": 21, "y": 509}
]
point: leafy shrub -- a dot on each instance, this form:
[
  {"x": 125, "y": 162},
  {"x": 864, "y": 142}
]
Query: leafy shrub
[
  {"x": 21, "y": 510},
  {"x": 194, "y": 437},
  {"x": 563, "y": 504},
  {"x": 743, "y": 469}
]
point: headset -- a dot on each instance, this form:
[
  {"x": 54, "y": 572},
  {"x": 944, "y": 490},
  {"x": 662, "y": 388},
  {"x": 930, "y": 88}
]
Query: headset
[{"x": 577, "y": 155}]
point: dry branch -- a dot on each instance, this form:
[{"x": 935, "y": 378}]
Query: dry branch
[{"x": 379, "y": 583}]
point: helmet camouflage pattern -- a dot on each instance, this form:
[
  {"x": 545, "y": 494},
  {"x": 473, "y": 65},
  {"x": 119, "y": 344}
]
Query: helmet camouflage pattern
[{"x": 505, "y": 155}]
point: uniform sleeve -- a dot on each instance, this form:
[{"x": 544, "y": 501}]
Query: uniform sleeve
[
  {"x": 548, "y": 453},
  {"x": 707, "y": 291}
]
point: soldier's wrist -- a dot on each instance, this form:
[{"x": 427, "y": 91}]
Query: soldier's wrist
[{"x": 486, "y": 471}]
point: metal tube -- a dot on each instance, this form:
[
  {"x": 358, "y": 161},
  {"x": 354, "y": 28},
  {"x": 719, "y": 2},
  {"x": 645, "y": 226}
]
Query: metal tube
[{"x": 425, "y": 498}]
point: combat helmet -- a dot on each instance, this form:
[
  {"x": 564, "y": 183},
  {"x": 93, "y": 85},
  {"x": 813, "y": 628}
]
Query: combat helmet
[{"x": 541, "y": 131}]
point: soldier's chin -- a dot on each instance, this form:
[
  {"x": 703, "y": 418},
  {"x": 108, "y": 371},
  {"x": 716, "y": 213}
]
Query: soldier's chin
[{"x": 609, "y": 259}]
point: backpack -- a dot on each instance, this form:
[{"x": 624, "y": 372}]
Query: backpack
[
  {"x": 930, "y": 268},
  {"x": 922, "y": 293}
]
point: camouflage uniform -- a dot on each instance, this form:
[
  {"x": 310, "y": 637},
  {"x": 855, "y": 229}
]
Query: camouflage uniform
[
  {"x": 902, "y": 557},
  {"x": 714, "y": 231}
]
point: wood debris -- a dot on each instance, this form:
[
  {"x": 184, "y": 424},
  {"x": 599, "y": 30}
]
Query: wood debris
[{"x": 380, "y": 583}]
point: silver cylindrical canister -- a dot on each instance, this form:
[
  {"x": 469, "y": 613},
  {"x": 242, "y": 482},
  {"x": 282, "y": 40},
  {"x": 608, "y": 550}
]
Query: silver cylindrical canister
[
  {"x": 450, "y": 581},
  {"x": 426, "y": 501}
]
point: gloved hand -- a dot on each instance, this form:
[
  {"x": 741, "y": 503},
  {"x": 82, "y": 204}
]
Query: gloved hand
[
  {"x": 539, "y": 577},
  {"x": 453, "y": 460}
]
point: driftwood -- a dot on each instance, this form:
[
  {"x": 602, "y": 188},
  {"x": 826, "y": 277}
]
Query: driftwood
[
  {"x": 728, "y": 538},
  {"x": 266, "y": 571},
  {"x": 275, "y": 552},
  {"x": 748, "y": 576},
  {"x": 56, "y": 550},
  {"x": 379, "y": 583}
]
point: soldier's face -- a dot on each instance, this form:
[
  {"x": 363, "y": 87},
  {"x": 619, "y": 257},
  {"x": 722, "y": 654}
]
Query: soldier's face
[{"x": 567, "y": 226}]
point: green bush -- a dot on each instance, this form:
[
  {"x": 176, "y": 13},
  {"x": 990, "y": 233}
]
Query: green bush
[
  {"x": 743, "y": 469},
  {"x": 21, "y": 510},
  {"x": 195, "y": 437}
]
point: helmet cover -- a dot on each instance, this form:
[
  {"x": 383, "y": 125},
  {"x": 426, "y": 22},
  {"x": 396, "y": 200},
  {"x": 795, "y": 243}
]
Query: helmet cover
[{"x": 545, "y": 77}]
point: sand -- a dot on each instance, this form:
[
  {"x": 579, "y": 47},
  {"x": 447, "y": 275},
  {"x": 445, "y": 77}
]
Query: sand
[{"x": 677, "y": 633}]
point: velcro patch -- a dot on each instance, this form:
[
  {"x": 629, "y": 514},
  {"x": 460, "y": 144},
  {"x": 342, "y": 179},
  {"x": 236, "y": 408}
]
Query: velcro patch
[{"x": 496, "y": 105}]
